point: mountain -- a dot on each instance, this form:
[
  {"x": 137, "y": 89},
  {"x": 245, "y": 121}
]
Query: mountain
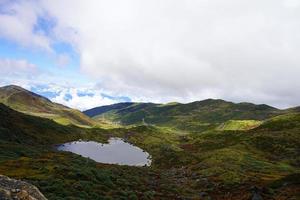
[
  {"x": 103, "y": 109},
  {"x": 294, "y": 109},
  {"x": 28, "y": 102},
  {"x": 239, "y": 164},
  {"x": 198, "y": 115}
]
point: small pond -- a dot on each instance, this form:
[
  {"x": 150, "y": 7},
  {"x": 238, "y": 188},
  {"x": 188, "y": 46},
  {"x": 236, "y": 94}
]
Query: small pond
[{"x": 117, "y": 151}]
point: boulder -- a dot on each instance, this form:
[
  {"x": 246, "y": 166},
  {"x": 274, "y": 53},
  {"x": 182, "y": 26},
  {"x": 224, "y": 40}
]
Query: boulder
[{"x": 11, "y": 189}]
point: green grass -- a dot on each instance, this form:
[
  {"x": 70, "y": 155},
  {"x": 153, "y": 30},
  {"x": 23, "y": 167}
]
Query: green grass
[
  {"x": 232, "y": 125},
  {"x": 61, "y": 175}
]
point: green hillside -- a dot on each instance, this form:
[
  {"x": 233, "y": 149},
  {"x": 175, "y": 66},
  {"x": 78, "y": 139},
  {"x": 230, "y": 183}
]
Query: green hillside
[
  {"x": 30, "y": 103},
  {"x": 239, "y": 125},
  {"x": 196, "y": 116},
  {"x": 214, "y": 163},
  {"x": 27, "y": 152},
  {"x": 230, "y": 160}
]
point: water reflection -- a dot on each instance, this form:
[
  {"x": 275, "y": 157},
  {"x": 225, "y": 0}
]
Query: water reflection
[{"x": 115, "y": 152}]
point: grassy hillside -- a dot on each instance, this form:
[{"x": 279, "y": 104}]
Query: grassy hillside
[
  {"x": 33, "y": 132},
  {"x": 27, "y": 152},
  {"x": 222, "y": 164},
  {"x": 234, "y": 161},
  {"x": 30, "y": 103},
  {"x": 103, "y": 109},
  {"x": 232, "y": 125},
  {"x": 196, "y": 116}
]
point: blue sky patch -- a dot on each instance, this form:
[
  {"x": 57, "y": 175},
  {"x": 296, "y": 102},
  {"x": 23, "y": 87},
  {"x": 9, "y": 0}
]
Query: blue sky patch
[
  {"x": 117, "y": 98},
  {"x": 41, "y": 90},
  {"x": 82, "y": 94},
  {"x": 44, "y": 25},
  {"x": 68, "y": 97}
]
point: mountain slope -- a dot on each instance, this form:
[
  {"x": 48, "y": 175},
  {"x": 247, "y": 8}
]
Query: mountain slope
[
  {"x": 294, "y": 109},
  {"x": 23, "y": 129},
  {"x": 216, "y": 162},
  {"x": 103, "y": 109},
  {"x": 27, "y": 152},
  {"x": 199, "y": 115},
  {"x": 30, "y": 103}
]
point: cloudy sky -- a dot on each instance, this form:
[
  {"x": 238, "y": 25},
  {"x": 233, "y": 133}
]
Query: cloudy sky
[{"x": 86, "y": 53}]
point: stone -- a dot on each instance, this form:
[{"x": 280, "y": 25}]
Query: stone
[
  {"x": 11, "y": 189},
  {"x": 23, "y": 194}
]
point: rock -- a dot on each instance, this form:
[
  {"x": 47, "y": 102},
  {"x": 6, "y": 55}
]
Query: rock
[
  {"x": 4, "y": 194},
  {"x": 23, "y": 194},
  {"x": 11, "y": 189},
  {"x": 15, "y": 190}
]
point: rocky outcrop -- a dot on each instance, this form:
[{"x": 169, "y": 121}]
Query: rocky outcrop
[{"x": 11, "y": 189}]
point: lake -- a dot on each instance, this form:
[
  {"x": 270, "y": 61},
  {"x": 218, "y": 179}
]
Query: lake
[{"x": 117, "y": 151}]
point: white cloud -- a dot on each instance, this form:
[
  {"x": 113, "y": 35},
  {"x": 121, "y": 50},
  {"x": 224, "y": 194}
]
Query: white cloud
[
  {"x": 187, "y": 50},
  {"x": 81, "y": 102},
  {"x": 11, "y": 67},
  {"x": 17, "y": 22},
  {"x": 292, "y": 3},
  {"x": 63, "y": 60}
]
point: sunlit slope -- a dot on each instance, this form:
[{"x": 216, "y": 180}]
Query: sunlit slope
[
  {"x": 22, "y": 129},
  {"x": 30, "y": 103},
  {"x": 239, "y": 125},
  {"x": 268, "y": 154},
  {"x": 195, "y": 116},
  {"x": 20, "y": 134}
]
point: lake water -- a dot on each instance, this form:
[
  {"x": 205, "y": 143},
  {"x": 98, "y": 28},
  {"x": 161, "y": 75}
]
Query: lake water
[{"x": 115, "y": 152}]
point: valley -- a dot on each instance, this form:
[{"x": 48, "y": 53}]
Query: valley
[{"x": 211, "y": 149}]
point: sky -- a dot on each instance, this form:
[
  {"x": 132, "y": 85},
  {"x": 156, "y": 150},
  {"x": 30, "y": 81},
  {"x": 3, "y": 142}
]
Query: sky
[{"x": 85, "y": 54}]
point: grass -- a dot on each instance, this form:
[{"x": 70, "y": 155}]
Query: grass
[
  {"x": 232, "y": 125},
  {"x": 61, "y": 175}
]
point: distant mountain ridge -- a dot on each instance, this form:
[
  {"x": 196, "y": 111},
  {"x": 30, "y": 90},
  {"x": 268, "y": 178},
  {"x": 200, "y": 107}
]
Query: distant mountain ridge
[
  {"x": 31, "y": 103},
  {"x": 102, "y": 109},
  {"x": 191, "y": 116},
  {"x": 194, "y": 116}
]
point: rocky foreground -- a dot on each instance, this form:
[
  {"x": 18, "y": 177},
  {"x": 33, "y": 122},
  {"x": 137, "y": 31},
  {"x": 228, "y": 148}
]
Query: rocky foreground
[{"x": 11, "y": 189}]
